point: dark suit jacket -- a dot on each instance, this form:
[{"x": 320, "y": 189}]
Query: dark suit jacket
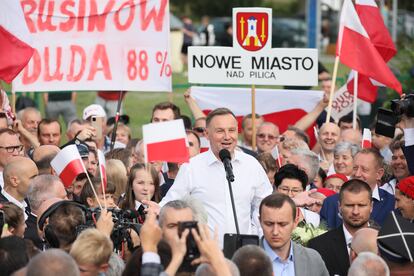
[
  {"x": 330, "y": 209},
  {"x": 333, "y": 250},
  {"x": 31, "y": 231},
  {"x": 27, "y": 209}
]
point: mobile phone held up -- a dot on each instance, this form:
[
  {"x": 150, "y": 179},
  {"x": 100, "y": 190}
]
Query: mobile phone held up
[
  {"x": 96, "y": 123},
  {"x": 192, "y": 249}
]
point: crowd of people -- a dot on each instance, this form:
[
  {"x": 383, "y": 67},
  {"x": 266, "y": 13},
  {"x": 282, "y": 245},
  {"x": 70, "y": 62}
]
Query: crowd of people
[{"x": 163, "y": 218}]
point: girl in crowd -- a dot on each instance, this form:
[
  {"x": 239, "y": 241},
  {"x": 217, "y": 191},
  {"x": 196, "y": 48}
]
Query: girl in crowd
[
  {"x": 143, "y": 184},
  {"x": 14, "y": 217},
  {"x": 87, "y": 197}
]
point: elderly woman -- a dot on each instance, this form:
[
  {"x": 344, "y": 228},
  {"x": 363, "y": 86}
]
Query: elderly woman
[
  {"x": 344, "y": 153},
  {"x": 404, "y": 198}
]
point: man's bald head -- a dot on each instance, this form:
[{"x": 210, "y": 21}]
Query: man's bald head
[
  {"x": 44, "y": 150},
  {"x": 351, "y": 135},
  {"x": 364, "y": 240},
  {"x": 17, "y": 175}
]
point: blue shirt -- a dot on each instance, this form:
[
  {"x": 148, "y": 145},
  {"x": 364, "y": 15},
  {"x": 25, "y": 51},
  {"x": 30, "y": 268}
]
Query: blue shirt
[{"x": 280, "y": 267}]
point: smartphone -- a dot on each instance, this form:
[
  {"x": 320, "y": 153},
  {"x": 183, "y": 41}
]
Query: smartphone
[
  {"x": 386, "y": 121},
  {"x": 192, "y": 249},
  {"x": 97, "y": 124},
  {"x": 232, "y": 242}
]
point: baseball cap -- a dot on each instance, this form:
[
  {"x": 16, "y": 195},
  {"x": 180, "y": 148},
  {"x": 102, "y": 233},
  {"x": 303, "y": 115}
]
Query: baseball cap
[
  {"x": 83, "y": 149},
  {"x": 93, "y": 110}
]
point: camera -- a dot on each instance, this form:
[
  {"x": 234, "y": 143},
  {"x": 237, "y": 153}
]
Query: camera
[
  {"x": 404, "y": 106},
  {"x": 124, "y": 222},
  {"x": 192, "y": 249}
]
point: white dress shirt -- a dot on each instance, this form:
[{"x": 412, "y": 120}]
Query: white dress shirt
[
  {"x": 204, "y": 178},
  {"x": 22, "y": 205}
]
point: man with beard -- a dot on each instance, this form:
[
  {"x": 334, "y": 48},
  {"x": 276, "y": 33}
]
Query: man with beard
[{"x": 355, "y": 207}]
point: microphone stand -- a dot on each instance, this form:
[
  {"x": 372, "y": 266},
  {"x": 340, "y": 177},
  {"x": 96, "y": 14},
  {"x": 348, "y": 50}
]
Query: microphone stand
[{"x": 232, "y": 205}]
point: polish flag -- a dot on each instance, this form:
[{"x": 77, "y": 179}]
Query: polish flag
[
  {"x": 68, "y": 164},
  {"x": 281, "y": 107},
  {"x": 356, "y": 50},
  {"x": 366, "y": 139},
  {"x": 166, "y": 141},
  {"x": 373, "y": 23},
  {"x": 15, "y": 40},
  {"x": 102, "y": 168},
  {"x": 204, "y": 144}
]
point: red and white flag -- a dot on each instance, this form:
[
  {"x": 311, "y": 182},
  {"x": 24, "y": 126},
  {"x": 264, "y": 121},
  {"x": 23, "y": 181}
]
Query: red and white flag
[
  {"x": 102, "y": 167},
  {"x": 15, "y": 40},
  {"x": 366, "y": 139},
  {"x": 204, "y": 144},
  {"x": 356, "y": 50},
  {"x": 68, "y": 164},
  {"x": 165, "y": 141},
  {"x": 281, "y": 107},
  {"x": 373, "y": 23}
]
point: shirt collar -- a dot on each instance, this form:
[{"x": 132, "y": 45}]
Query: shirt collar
[
  {"x": 272, "y": 254},
  {"x": 10, "y": 198},
  {"x": 375, "y": 193},
  {"x": 348, "y": 236},
  {"x": 211, "y": 158},
  {"x": 137, "y": 204}
]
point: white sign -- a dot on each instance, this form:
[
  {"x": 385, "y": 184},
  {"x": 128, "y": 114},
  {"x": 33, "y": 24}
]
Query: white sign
[
  {"x": 97, "y": 45},
  {"x": 277, "y": 66},
  {"x": 251, "y": 60},
  {"x": 342, "y": 104}
]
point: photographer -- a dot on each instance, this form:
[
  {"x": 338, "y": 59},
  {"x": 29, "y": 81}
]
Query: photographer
[{"x": 210, "y": 251}]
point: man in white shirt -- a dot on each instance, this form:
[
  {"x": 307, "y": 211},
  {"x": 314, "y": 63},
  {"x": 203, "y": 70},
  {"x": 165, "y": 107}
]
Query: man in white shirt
[
  {"x": 204, "y": 178},
  {"x": 17, "y": 175}
]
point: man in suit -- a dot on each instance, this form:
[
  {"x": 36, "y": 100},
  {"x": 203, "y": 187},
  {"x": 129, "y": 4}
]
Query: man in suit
[
  {"x": 278, "y": 219},
  {"x": 355, "y": 206},
  {"x": 17, "y": 175},
  {"x": 368, "y": 167}
]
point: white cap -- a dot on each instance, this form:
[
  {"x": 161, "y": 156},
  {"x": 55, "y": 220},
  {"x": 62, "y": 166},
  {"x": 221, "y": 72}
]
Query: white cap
[{"x": 93, "y": 110}]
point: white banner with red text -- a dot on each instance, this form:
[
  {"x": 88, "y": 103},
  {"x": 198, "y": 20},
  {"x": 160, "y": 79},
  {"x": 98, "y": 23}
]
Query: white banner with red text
[{"x": 97, "y": 45}]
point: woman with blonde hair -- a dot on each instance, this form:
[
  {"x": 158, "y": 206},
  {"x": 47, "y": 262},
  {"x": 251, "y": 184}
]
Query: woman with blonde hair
[{"x": 117, "y": 174}]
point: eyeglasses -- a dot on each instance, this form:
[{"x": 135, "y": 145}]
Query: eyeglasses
[
  {"x": 287, "y": 190},
  {"x": 11, "y": 149},
  {"x": 263, "y": 136},
  {"x": 199, "y": 129}
]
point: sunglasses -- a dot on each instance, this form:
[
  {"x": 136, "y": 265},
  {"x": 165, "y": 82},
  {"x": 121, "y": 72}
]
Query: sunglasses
[{"x": 199, "y": 129}]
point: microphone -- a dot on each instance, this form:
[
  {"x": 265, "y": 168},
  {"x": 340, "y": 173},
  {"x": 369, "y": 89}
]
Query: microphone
[{"x": 225, "y": 157}]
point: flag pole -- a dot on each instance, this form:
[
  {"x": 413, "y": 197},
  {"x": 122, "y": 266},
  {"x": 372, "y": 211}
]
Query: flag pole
[
  {"x": 102, "y": 184},
  {"x": 331, "y": 94},
  {"x": 253, "y": 117},
  {"x": 13, "y": 105},
  {"x": 118, "y": 108},
  {"x": 90, "y": 183},
  {"x": 354, "y": 114}
]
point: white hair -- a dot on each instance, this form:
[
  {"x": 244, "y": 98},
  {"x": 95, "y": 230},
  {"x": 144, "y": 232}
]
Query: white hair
[{"x": 368, "y": 264}]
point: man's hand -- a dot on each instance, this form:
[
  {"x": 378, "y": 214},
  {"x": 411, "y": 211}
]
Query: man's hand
[
  {"x": 151, "y": 206},
  {"x": 210, "y": 251},
  {"x": 187, "y": 95},
  {"x": 178, "y": 248},
  {"x": 105, "y": 224},
  {"x": 150, "y": 233},
  {"x": 303, "y": 199},
  {"x": 86, "y": 133}
]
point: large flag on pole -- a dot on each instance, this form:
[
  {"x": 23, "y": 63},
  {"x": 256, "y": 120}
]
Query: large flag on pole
[
  {"x": 281, "y": 107},
  {"x": 373, "y": 23},
  {"x": 15, "y": 40},
  {"x": 68, "y": 164},
  {"x": 165, "y": 141},
  {"x": 356, "y": 50}
]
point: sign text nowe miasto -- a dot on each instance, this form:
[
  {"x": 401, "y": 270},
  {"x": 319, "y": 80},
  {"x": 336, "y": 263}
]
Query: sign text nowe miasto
[{"x": 252, "y": 60}]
